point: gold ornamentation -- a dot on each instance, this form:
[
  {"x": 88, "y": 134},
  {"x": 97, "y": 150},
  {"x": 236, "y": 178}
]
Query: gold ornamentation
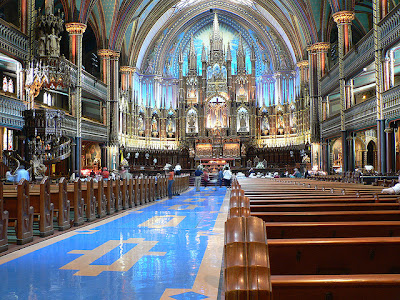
[
  {"x": 75, "y": 28},
  {"x": 303, "y": 64},
  {"x": 108, "y": 53},
  {"x": 127, "y": 69},
  {"x": 343, "y": 17}
]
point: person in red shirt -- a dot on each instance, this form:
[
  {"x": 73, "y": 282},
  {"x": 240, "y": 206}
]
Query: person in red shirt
[
  {"x": 206, "y": 177},
  {"x": 105, "y": 173},
  {"x": 170, "y": 182}
]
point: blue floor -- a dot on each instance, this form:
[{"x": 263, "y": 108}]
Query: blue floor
[{"x": 166, "y": 242}]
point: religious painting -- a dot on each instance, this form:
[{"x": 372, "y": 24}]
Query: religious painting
[
  {"x": 336, "y": 154},
  {"x": 217, "y": 113},
  {"x": 191, "y": 121},
  {"x": 242, "y": 120}
]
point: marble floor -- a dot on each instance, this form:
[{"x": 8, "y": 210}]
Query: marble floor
[{"x": 169, "y": 249}]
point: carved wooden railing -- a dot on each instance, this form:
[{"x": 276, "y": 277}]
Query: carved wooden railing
[
  {"x": 13, "y": 41},
  {"x": 362, "y": 54},
  {"x": 11, "y": 112}
]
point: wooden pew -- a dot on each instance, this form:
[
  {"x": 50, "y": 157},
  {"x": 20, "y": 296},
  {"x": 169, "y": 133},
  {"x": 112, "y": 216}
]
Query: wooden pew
[
  {"x": 343, "y": 287},
  {"x": 62, "y": 205},
  {"x": 335, "y": 256},
  {"x": 287, "y": 230},
  {"x": 20, "y": 212},
  {"x": 89, "y": 199},
  {"x": 125, "y": 194},
  {"x": 77, "y": 203},
  {"x": 329, "y": 216},
  {"x": 3, "y": 223},
  {"x": 132, "y": 192},
  {"x": 308, "y": 207},
  {"x": 43, "y": 207},
  {"x": 117, "y": 194},
  {"x": 100, "y": 198},
  {"x": 109, "y": 191}
]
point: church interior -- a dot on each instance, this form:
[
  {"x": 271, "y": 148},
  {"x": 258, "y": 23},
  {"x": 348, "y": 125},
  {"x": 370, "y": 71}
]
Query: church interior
[{"x": 101, "y": 102}]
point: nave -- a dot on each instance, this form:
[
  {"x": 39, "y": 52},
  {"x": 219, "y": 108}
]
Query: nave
[{"x": 169, "y": 249}]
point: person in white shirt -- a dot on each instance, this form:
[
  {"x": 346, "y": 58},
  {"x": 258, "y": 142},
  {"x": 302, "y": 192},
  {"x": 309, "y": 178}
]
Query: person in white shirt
[
  {"x": 227, "y": 177},
  {"x": 394, "y": 190}
]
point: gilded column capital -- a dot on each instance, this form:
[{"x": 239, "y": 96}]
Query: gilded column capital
[
  {"x": 302, "y": 64},
  {"x": 105, "y": 53},
  {"x": 343, "y": 17},
  {"x": 319, "y": 47},
  {"x": 127, "y": 69},
  {"x": 75, "y": 28}
]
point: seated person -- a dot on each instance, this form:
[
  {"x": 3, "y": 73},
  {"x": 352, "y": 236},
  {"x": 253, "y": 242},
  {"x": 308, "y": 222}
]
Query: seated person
[{"x": 393, "y": 190}]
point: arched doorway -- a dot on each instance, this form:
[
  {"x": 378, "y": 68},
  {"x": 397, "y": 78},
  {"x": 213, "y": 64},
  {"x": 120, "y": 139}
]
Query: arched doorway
[
  {"x": 336, "y": 162},
  {"x": 371, "y": 154}
]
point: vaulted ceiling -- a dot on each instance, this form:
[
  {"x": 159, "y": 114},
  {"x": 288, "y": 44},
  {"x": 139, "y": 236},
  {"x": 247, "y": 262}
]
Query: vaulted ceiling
[{"x": 288, "y": 26}]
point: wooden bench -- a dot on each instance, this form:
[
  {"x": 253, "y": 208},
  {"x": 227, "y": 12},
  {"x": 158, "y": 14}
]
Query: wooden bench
[
  {"x": 288, "y": 230},
  {"x": 109, "y": 192},
  {"x": 101, "y": 198},
  {"x": 343, "y": 287},
  {"x": 3, "y": 223},
  {"x": 43, "y": 207},
  {"x": 335, "y": 256},
  {"x": 76, "y": 201},
  {"x": 20, "y": 212},
  {"x": 117, "y": 194},
  {"x": 329, "y": 216}
]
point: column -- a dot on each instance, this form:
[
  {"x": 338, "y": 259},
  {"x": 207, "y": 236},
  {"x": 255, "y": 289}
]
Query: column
[
  {"x": 377, "y": 5},
  {"x": 76, "y": 31},
  {"x": 390, "y": 150},
  {"x": 105, "y": 55},
  {"x": 313, "y": 92},
  {"x": 343, "y": 20}
]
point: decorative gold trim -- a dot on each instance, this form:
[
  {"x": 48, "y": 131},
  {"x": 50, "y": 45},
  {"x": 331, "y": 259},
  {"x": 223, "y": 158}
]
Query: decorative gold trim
[
  {"x": 75, "y": 28},
  {"x": 319, "y": 47},
  {"x": 107, "y": 53},
  {"x": 126, "y": 69},
  {"x": 343, "y": 17},
  {"x": 303, "y": 64}
]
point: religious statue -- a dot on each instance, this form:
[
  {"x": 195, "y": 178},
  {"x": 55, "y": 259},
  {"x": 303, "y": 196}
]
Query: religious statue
[
  {"x": 169, "y": 126},
  {"x": 154, "y": 125},
  {"x": 140, "y": 123},
  {"x": 191, "y": 121},
  {"x": 243, "y": 150},
  {"x": 5, "y": 84},
  {"x": 10, "y": 86},
  {"x": 38, "y": 168},
  {"x": 53, "y": 44},
  {"x": 42, "y": 46},
  {"x": 243, "y": 126}
]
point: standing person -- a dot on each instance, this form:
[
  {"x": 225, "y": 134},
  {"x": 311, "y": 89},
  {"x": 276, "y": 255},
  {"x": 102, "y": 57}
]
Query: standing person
[
  {"x": 206, "y": 177},
  {"x": 227, "y": 177},
  {"x": 220, "y": 177},
  {"x": 105, "y": 173},
  {"x": 178, "y": 169},
  {"x": 21, "y": 173},
  {"x": 197, "y": 178},
  {"x": 170, "y": 182}
]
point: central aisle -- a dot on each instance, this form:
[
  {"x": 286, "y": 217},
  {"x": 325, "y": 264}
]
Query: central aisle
[{"x": 169, "y": 249}]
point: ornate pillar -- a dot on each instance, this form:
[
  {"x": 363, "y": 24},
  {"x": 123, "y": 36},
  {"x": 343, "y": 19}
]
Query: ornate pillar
[
  {"x": 379, "y": 86},
  {"x": 76, "y": 31},
  {"x": 390, "y": 150},
  {"x": 313, "y": 88},
  {"x": 105, "y": 55},
  {"x": 343, "y": 20}
]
